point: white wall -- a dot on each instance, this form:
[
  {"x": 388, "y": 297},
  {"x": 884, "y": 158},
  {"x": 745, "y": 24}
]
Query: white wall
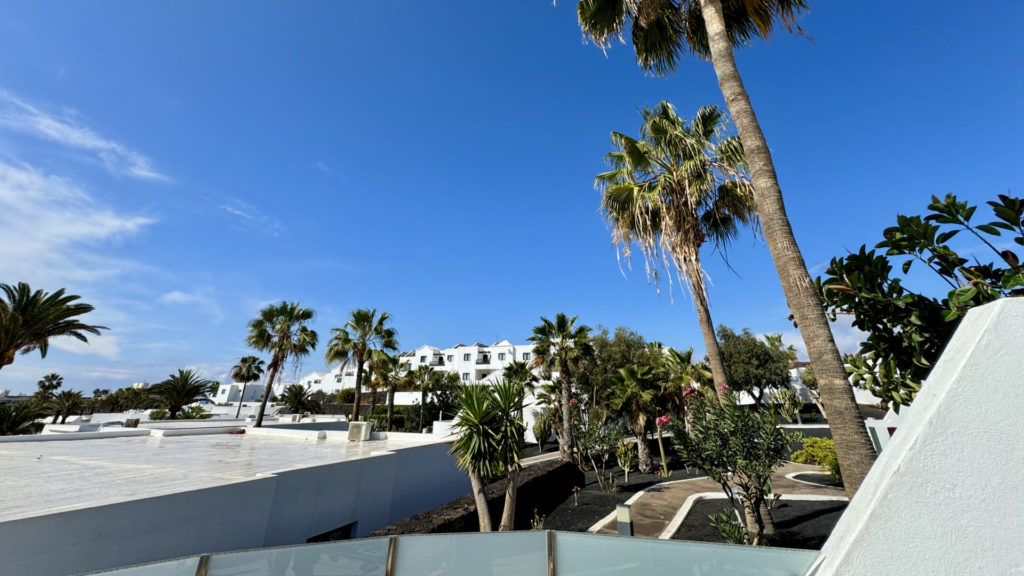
[
  {"x": 286, "y": 508},
  {"x": 946, "y": 496}
]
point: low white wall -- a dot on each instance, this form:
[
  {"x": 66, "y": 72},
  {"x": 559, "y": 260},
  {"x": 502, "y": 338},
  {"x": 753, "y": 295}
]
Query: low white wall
[
  {"x": 285, "y": 508},
  {"x": 946, "y": 495}
]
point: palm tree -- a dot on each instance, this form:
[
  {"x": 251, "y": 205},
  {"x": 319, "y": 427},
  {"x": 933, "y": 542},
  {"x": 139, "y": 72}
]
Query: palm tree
[
  {"x": 249, "y": 369},
  {"x": 632, "y": 394},
  {"x": 384, "y": 368},
  {"x": 29, "y": 319},
  {"x": 180, "y": 390},
  {"x": 677, "y": 374},
  {"x": 18, "y": 418},
  {"x": 67, "y": 403},
  {"x": 426, "y": 381},
  {"x": 473, "y": 445},
  {"x": 296, "y": 399},
  {"x": 661, "y": 33},
  {"x": 519, "y": 371},
  {"x": 365, "y": 331},
  {"x": 562, "y": 345},
  {"x": 488, "y": 442},
  {"x": 280, "y": 330},
  {"x": 679, "y": 187},
  {"x": 46, "y": 389}
]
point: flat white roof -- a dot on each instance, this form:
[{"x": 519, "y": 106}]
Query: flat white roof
[{"x": 45, "y": 477}]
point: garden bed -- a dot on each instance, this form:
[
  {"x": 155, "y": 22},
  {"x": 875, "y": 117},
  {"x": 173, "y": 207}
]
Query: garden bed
[
  {"x": 804, "y": 524},
  {"x": 591, "y": 504}
]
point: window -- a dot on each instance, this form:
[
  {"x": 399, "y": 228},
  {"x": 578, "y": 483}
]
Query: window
[
  {"x": 451, "y": 358},
  {"x": 423, "y": 359},
  {"x": 501, "y": 356},
  {"x": 526, "y": 356},
  {"x": 337, "y": 378},
  {"x": 465, "y": 357},
  {"x": 465, "y": 376}
]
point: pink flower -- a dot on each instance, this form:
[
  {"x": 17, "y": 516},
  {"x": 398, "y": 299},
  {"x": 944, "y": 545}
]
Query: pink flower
[
  {"x": 723, "y": 388},
  {"x": 690, "y": 391},
  {"x": 572, "y": 402},
  {"x": 662, "y": 421}
]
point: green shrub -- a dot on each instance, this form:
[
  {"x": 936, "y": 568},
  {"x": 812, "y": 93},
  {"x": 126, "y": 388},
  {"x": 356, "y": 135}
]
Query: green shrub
[
  {"x": 157, "y": 414},
  {"x": 346, "y": 396},
  {"x": 193, "y": 413},
  {"x": 728, "y": 526},
  {"x": 821, "y": 452}
]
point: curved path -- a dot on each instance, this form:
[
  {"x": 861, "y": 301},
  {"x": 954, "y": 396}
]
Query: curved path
[{"x": 658, "y": 510}]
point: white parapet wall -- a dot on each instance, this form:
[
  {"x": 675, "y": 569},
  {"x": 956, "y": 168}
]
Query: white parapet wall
[{"x": 946, "y": 496}]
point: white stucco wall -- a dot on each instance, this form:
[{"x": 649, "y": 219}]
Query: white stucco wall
[
  {"x": 946, "y": 496},
  {"x": 285, "y": 508}
]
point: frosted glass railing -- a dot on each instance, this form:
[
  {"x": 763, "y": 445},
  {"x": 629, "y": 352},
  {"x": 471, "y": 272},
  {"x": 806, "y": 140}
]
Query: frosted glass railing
[
  {"x": 526, "y": 553},
  {"x": 509, "y": 554},
  {"x": 367, "y": 557},
  {"x": 591, "y": 554},
  {"x": 182, "y": 567}
]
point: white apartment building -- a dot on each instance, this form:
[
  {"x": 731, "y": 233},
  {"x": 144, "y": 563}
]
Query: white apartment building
[{"x": 473, "y": 363}]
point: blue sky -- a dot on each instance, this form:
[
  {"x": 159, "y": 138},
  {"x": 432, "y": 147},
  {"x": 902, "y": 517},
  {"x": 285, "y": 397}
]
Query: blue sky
[{"x": 181, "y": 164}]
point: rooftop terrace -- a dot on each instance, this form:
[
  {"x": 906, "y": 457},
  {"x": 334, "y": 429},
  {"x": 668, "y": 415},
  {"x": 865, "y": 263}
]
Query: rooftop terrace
[{"x": 58, "y": 475}]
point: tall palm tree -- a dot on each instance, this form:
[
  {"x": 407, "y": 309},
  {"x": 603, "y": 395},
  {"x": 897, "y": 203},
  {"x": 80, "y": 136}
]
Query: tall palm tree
[
  {"x": 365, "y": 330},
  {"x": 66, "y": 403},
  {"x": 180, "y": 390},
  {"x": 389, "y": 376},
  {"x": 249, "y": 369},
  {"x": 280, "y": 330},
  {"x": 46, "y": 390},
  {"x": 562, "y": 345},
  {"x": 633, "y": 392},
  {"x": 662, "y": 32},
  {"x": 488, "y": 442},
  {"x": 384, "y": 370},
  {"x": 29, "y": 319},
  {"x": 679, "y": 187}
]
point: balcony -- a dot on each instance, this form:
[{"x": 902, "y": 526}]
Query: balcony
[
  {"x": 437, "y": 361},
  {"x": 483, "y": 359}
]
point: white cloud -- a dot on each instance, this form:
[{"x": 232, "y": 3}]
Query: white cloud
[
  {"x": 23, "y": 117},
  {"x": 105, "y": 345},
  {"x": 203, "y": 302},
  {"x": 50, "y": 230},
  {"x": 249, "y": 217}
]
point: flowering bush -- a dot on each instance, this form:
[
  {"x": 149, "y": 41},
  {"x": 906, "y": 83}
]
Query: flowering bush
[{"x": 662, "y": 421}]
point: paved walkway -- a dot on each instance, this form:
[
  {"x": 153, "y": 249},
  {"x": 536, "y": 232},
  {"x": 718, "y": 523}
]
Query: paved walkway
[{"x": 659, "y": 510}]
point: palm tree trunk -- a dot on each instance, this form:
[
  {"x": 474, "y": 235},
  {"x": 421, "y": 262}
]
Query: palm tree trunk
[
  {"x": 240, "y": 400},
  {"x": 482, "y": 511},
  {"x": 644, "y": 462},
  {"x": 565, "y": 445},
  {"x": 854, "y": 448},
  {"x": 707, "y": 329},
  {"x": 56, "y": 416},
  {"x": 423, "y": 406},
  {"x": 359, "y": 388},
  {"x": 275, "y": 365},
  {"x": 508, "y": 514},
  {"x": 391, "y": 404}
]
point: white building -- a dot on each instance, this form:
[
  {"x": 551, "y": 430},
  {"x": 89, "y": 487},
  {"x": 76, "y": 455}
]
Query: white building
[
  {"x": 473, "y": 363},
  {"x": 232, "y": 393}
]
